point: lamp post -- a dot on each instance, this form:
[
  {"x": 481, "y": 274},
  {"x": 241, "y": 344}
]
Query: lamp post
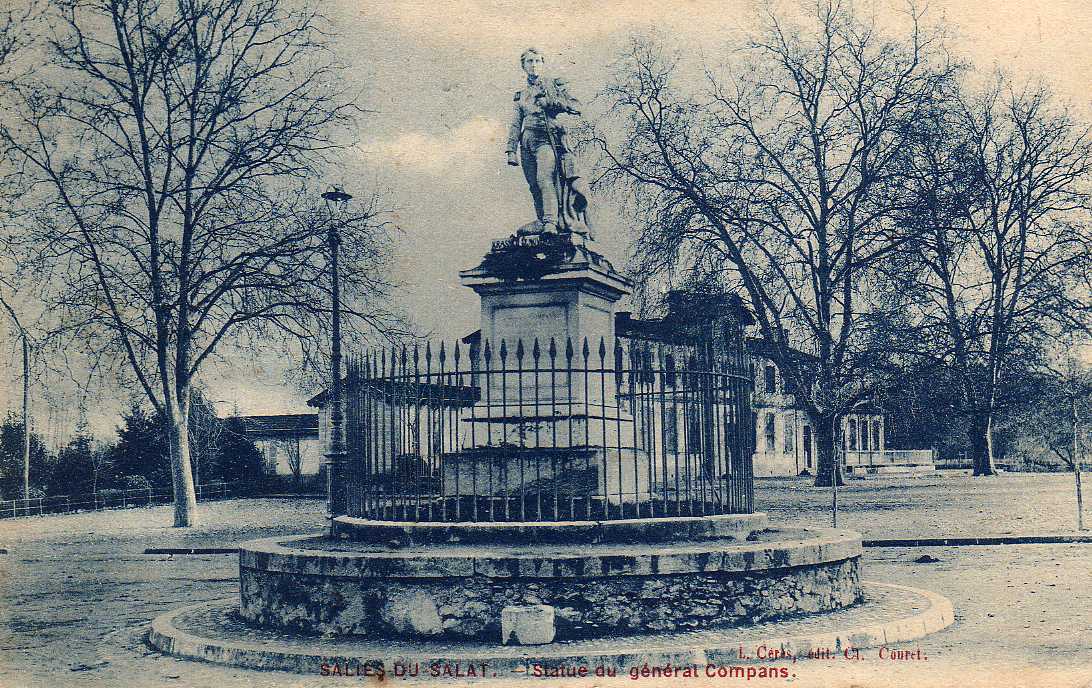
[
  {"x": 26, "y": 396},
  {"x": 336, "y": 202}
]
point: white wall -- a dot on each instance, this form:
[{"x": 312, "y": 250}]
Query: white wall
[{"x": 276, "y": 453}]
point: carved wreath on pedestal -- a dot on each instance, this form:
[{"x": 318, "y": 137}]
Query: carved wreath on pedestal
[{"x": 528, "y": 256}]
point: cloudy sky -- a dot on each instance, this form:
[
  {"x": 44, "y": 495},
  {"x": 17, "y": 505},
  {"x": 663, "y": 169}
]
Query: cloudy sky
[{"x": 438, "y": 78}]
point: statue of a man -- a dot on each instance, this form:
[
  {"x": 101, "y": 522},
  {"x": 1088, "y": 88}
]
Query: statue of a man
[{"x": 559, "y": 193}]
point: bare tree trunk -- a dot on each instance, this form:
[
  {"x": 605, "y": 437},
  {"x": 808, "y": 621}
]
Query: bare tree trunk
[
  {"x": 296, "y": 463},
  {"x": 1076, "y": 462},
  {"x": 828, "y": 464},
  {"x": 988, "y": 468},
  {"x": 978, "y": 439},
  {"x": 185, "y": 497},
  {"x": 1080, "y": 497}
]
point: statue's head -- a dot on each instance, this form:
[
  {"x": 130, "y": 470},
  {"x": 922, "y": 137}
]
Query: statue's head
[{"x": 531, "y": 60}]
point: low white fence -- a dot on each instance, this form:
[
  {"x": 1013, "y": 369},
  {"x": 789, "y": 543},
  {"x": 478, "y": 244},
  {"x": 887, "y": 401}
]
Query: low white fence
[
  {"x": 890, "y": 457},
  {"x": 105, "y": 499}
]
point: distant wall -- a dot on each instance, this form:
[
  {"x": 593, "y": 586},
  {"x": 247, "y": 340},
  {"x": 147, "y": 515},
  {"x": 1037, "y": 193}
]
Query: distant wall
[{"x": 277, "y": 455}]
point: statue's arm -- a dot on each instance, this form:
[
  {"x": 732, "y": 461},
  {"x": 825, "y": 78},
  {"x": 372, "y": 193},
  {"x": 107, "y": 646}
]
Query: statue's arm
[{"x": 515, "y": 125}]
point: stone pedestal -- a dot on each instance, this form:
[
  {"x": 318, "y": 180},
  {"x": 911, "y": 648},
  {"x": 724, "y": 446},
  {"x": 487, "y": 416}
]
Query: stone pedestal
[
  {"x": 531, "y": 286},
  {"x": 603, "y": 476},
  {"x": 539, "y": 288},
  {"x": 547, "y": 315}
]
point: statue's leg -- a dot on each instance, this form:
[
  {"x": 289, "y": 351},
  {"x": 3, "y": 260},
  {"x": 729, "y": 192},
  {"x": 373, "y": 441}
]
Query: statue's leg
[
  {"x": 530, "y": 172},
  {"x": 545, "y": 164}
]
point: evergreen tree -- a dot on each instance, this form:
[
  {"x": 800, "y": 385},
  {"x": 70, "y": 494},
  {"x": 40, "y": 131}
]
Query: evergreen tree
[
  {"x": 74, "y": 470},
  {"x": 142, "y": 449},
  {"x": 239, "y": 459},
  {"x": 11, "y": 459}
]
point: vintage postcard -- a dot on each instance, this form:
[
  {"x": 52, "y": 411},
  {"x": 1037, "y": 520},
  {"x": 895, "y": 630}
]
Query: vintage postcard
[{"x": 710, "y": 342}]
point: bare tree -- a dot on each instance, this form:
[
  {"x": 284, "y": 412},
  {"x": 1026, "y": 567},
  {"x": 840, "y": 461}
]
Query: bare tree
[
  {"x": 175, "y": 147},
  {"x": 779, "y": 179},
  {"x": 25, "y": 346},
  {"x": 1075, "y": 379},
  {"x": 205, "y": 431},
  {"x": 1000, "y": 250},
  {"x": 1055, "y": 427},
  {"x": 14, "y": 36},
  {"x": 293, "y": 456}
]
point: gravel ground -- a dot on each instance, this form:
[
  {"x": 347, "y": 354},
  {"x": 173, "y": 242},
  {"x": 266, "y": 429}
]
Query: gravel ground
[
  {"x": 934, "y": 506},
  {"x": 76, "y": 592}
]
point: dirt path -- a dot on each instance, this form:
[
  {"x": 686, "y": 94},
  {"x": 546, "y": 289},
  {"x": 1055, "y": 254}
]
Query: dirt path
[{"x": 76, "y": 593}]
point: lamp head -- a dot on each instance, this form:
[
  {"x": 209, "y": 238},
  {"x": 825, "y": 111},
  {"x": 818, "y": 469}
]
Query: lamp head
[{"x": 335, "y": 194}]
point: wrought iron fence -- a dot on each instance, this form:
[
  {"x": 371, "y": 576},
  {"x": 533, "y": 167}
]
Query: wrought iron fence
[{"x": 548, "y": 430}]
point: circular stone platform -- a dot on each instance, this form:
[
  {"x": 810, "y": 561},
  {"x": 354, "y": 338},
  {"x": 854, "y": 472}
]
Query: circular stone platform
[
  {"x": 637, "y": 530},
  {"x": 213, "y": 632},
  {"x": 609, "y": 587}
]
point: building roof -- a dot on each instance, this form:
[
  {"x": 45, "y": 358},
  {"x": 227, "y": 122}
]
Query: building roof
[
  {"x": 282, "y": 426},
  {"x": 405, "y": 389},
  {"x": 757, "y": 346},
  {"x": 319, "y": 400}
]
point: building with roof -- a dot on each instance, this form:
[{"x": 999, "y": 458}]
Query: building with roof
[
  {"x": 784, "y": 439},
  {"x": 291, "y": 444}
]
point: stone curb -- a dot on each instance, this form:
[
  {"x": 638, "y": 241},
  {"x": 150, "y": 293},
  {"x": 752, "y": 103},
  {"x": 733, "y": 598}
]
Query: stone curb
[
  {"x": 192, "y": 550},
  {"x": 635, "y": 530},
  {"x": 807, "y": 546},
  {"x": 165, "y": 637},
  {"x": 907, "y": 542},
  {"x": 989, "y": 540},
  {"x": 292, "y": 495}
]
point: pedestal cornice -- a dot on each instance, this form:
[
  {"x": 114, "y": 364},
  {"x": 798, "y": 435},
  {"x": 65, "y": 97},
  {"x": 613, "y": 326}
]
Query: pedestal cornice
[{"x": 535, "y": 263}]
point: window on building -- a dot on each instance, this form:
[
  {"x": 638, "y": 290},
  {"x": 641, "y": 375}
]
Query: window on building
[
  {"x": 770, "y": 432},
  {"x": 806, "y": 440},
  {"x": 864, "y": 434},
  {"x": 851, "y": 430},
  {"x": 693, "y": 431},
  {"x": 437, "y": 434},
  {"x": 770, "y": 380},
  {"x": 790, "y": 435},
  {"x": 671, "y": 431},
  {"x": 648, "y": 428},
  {"x": 877, "y": 424},
  {"x": 754, "y": 424}
]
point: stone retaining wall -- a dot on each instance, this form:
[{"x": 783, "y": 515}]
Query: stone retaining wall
[{"x": 469, "y": 606}]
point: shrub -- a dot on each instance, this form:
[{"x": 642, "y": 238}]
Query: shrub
[
  {"x": 110, "y": 497},
  {"x": 135, "y": 482}
]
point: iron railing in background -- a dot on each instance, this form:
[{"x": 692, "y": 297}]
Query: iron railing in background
[
  {"x": 549, "y": 430},
  {"x": 106, "y": 499}
]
